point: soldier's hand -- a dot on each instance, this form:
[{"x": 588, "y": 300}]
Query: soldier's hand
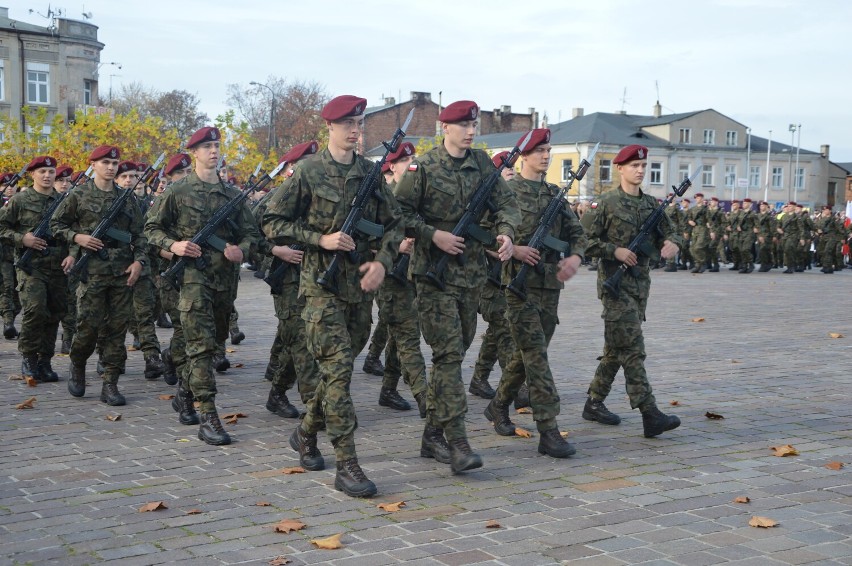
[
  {"x": 31, "y": 241},
  {"x": 406, "y": 246},
  {"x": 448, "y": 243},
  {"x": 185, "y": 248},
  {"x": 669, "y": 250},
  {"x": 526, "y": 254},
  {"x": 506, "y": 247},
  {"x": 761, "y": 239},
  {"x": 67, "y": 264},
  {"x": 691, "y": 222},
  {"x": 233, "y": 253},
  {"x": 288, "y": 254},
  {"x": 87, "y": 242},
  {"x": 166, "y": 254},
  {"x": 135, "y": 270},
  {"x": 568, "y": 268},
  {"x": 626, "y": 257},
  {"x": 337, "y": 242},
  {"x": 372, "y": 275}
]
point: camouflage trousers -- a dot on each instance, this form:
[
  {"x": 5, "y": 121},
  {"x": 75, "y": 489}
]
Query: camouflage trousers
[
  {"x": 379, "y": 341},
  {"x": 69, "y": 319},
  {"x": 336, "y": 332},
  {"x": 497, "y": 344},
  {"x": 700, "y": 245},
  {"x": 624, "y": 347},
  {"x": 296, "y": 365},
  {"x": 448, "y": 322},
  {"x": 403, "y": 356},
  {"x": 142, "y": 321},
  {"x": 44, "y": 300},
  {"x": 204, "y": 314},
  {"x": 10, "y": 304},
  {"x": 532, "y": 323},
  {"x": 764, "y": 251},
  {"x": 169, "y": 297},
  {"x": 791, "y": 252},
  {"x": 104, "y": 305}
]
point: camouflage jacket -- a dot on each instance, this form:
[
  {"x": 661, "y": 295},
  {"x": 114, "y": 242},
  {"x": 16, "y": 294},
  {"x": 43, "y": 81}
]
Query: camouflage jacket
[
  {"x": 829, "y": 227},
  {"x": 676, "y": 217},
  {"x": 532, "y": 198},
  {"x": 716, "y": 221},
  {"x": 22, "y": 214},
  {"x": 698, "y": 214},
  {"x": 433, "y": 195},
  {"x": 274, "y": 199},
  {"x": 82, "y": 211},
  {"x": 791, "y": 225},
  {"x": 315, "y": 202},
  {"x": 766, "y": 224},
  {"x": 746, "y": 223},
  {"x": 184, "y": 209},
  {"x": 808, "y": 226}
]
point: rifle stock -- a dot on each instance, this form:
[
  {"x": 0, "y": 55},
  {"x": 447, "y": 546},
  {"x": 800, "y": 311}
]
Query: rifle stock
[{"x": 278, "y": 269}]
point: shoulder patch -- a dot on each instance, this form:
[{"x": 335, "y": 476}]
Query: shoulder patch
[
  {"x": 412, "y": 167},
  {"x": 290, "y": 172},
  {"x": 594, "y": 205}
]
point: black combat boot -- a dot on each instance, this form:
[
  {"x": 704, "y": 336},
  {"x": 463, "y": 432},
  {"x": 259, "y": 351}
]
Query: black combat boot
[
  {"x": 421, "y": 404},
  {"x": 434, "y": 445},
  {"x": 111, "y": 396},
  {"x": 735, "y": 267},
  {"x": 154, "y": 366},
  {"x": 237, "y": 336},
  {"x": 522, "y": 399},
  {"x": 221, "y": 363},
  {"x": 9, "y": 331},
  {"x": 169, "y": 369},
  {"x": 480, "y": 387},
  {"x": 77, "y": 380},
  {"x": 749, "y": 267},
  {"x": 373, "y": 365},
  {"x": 46, "y": 370},
  {"x": 462, "y": 458},
  {"x": 279, "y": 404},
  {"x": 260, "y": 274},
  {"x": 764, "y": 267},
  {"x": 271, "y": 369},
  {"x": 163, "y": 321},
  {"x": 552, "y": 444},
  {"x": 670, "y": 268},
  {"x": 352, "y": 480},
  {"x": 499, "y": 415},
  {"x": 211, "y": 430},
  {"x": 656, "y": 422},
  {"x": 788, "y": 270},
  {"x": 391, "y": 398},
  {"x": 596, "y": 411},
  {"x": 306, "y": 445},
  {"x": 29, "y": 367},
  {"x": 184, "y": 405},
  {"x": 715, "y": 268}
]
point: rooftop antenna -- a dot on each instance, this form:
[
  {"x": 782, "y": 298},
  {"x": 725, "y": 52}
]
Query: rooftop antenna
[
  {"x": 87, "y": 15},
  {"x": 624, "y": 100},
  {"x": 50, "y": 15}
]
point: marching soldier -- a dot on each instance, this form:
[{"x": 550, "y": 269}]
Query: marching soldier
[
  {"x": 676, "y": 219},
  {"x": 69, "y": 319},
  {"x": 696, "y": 218},
  {"x": 746, "y": 228},
  {"x": 792, "y": 239},
  {"x": 765, "y": 236},
  {"x": 716, "y": 230},
  {"x": 10, "y": 303},
  {"x": 733, "y": 235},
  {"x": 686, "y": 259},
  {"x": 808, "y": 228},
  {"x": 830, "y": 237}
]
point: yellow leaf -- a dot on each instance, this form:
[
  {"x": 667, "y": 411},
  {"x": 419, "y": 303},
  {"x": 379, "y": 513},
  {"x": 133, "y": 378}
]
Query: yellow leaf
[
  {"x": 234, "y": 416},
  {"x": 232, "y": 420},
  {"x": 835, "y": 335},
  {"x": 524, "y": 411},
  {"x": 28, "y": 404},
  {"x": 165, "y": 397},
  {"x": 492, "y": 525},
  {"x": 182, "y": 440},
  {"x": 153, "y": 506},
  {"x": 713, "y": 416},
  {"x": 113, "y": 417},
  {"x": 230, "y": 350},
  {"x": 741, "y": 499},
  {"x": 674, "y": 403},
  {"x": 132, "y": 348},
  {"x": 31, "y": 381},
  {"x": 289, "y": 525},
  {"x": 238, "y": 365},
  {"x": 699, "y": 319},
  {"x": 834, "y": 465},
  {"x": 564, "y": 434},
  {"x": 329, "y": 543},
  {"x": 391, "y": 507},
  {"x": 736, "y": 362},
  {"x": 522, "y": 432},
  {"x": 263, "y": 504},
  {"x": 279, "y": 561},
  {"x": 785, "y": 450},
  {"x": 763, "y": 522},
  {"x": 293, "y": 470}
]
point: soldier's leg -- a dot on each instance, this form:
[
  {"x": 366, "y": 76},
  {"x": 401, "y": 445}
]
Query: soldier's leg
[
  {"x": 405, "y": 326},
  {"x": 144, "y": 307},
  {"x": 372, "y": 363},
  {"x": 69, "y": 320},
  {"x": 34, "y": 323},
  {"x": 8, "y": 295},
  {"x": 196, "y": 306}
]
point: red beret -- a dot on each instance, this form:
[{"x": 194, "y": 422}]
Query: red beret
[
  {"x": 792, "y": 203},
  {"x": 41, "y": 161},
  {"x": 6, "y": 178},
  {"x": 799, "y": 205},
  {"x": 141, "y": 166},
  {"x": 297, "y": 152},
  {"x": 385, "y": 167},
  {"x": 126, "y": 167},
  {"x": 539, "y": 136},
  {"x": 105, "y": 152},
  {"x": 232, "y": 180},
  {"x": 64, "y": 171},
  {"x": 342, "y": 106},
  {"x": 459, "y": 111},
  {"x": 179, "y": 161},
  {"x": 631, "y": 153},
  {"x": 716, "y": 199},
  {"x": 747, "y": 200},
  {"x": 497, "y": 160},
  {"x": 685, "y": 200},
  {"x": 761, "y": 203},
  {"x": 405, "y": 149},
  {"x": 826, "y": 207},
  {"x": 699, "y": 195},
  {"x": 207, "y": 133}
]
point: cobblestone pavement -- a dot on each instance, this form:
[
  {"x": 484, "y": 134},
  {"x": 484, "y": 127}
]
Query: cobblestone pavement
[{"x": 73, "y": 481}]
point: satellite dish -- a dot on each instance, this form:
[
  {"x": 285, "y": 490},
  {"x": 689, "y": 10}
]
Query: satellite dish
[{"x": 88, "y": 15}]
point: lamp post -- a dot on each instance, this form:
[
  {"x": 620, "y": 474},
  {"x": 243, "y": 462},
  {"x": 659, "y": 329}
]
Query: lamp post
[
  {"x": 748, "y": 160},
  {"x": 798, "y": 145},
  {"x": 792, "y": 130},
  {"x": 766, "y": 186},
  {"x": 110, "y": 88},
  {"x": 271, "y": 141}
]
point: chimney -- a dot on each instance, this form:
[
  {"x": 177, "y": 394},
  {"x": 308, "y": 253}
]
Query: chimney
[
  {"x": 544, "y": 121},
  {"x": 658, "y": 110},
  {"x": 4, "y": 12},
  {"x": 506, "y": 109},
  {"x": 534, "y": 118},
  {"x": 390, "y": 101},
  {"x": 576, "y": 112},
  {"x": 823, "y": 149},
  {"x": 421, "y": 96}
]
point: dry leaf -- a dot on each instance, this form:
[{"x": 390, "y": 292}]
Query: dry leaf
[
  {"x": 742, "y": 499},
  {"x": 263, "y": 504},
  {"x": 238, "y": 365},
  {"x": 230, "y": 350},
  {"x": 524, "y": 411},
  {"x": 763, "y": 522},
  {"x": 713, "y": 416},
  {"x": 391, "y": 507},
  {"x": 194, "y": 512},
  {"x": 182, "y": 440},
  {"x": 234, "y": 416},
  {"x": 294, "y": 470},
  {"x": 113, "y": 417},
  {"x": 232, "y": 420},
  {"x": 699, "y": 319},
  {"x": 289, "y": 525},
  {"x": 329, "y": 543},
  {"x": 674, "y": 403},
  {"x": 279, "y": 561},
  {"x": 522, "y": 432},
  {"x": 196, "y": 404},
  {"x": 165, "y": 397},
  {"x": 736, "y": 362},
  {"x": 786, "y": 450},
  {"x": 16, "y": 378},
  {"x": 132, "y": 348},
  {"x": 834, "y": 465},
  {"x": 564, "y": 434},
  {"x": 835, "y": 335},
  {"x": 28, "y": 404},
  {"x": 492, "y": 525},
  {"x": 153, "y": 506},
  {"x": 31, "y": 381}
]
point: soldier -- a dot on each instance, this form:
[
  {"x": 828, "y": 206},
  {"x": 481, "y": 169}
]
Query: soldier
[
  {"x": 533, "y": 320},
  {"x": 337, "y": 324},
  {"x": 765, "y": 235},
  {"x": 733, "y": 236},
  {"x": 686, "y": 259},
  {"x": 716, "y": 228},
  {"x": 790, "y": 228},
  {"x": 676, "y": 219},
  {"x": 433, "y": 196},
  {"x": 206, "y": 295},
  {"x": 104, "y": 302},
  {"x": 42, "y": 287},
  {"x": 830, "y": 234},
  {"x": 808, "y": 228},
  {"x": 64, "y": 173},
  {"x": 696, "y": 217},
  {"x": 10, "y": 303},
  {"x": 620, "y": 214},
  {"x": 746, "y": 228}
]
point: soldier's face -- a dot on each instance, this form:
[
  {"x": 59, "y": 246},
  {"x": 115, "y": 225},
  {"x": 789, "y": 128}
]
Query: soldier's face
[
  {"x": 344, "y": 134},
  {"x": 105, "y": 168},
  {"x": 206, "y": 154},
  {"x": 178, "y": 174},
  {"x": 43, "y": 177},
  {"x": 633, "y": 173},
  {"x": 400, "y": 166},
  {"x": 61, "y": 185},
  {"x": 538, "y": 159},
  {"x": 459, "y": 136},
  {"x": 126, "y": 180},
  {"x": 826, "y": 213}
]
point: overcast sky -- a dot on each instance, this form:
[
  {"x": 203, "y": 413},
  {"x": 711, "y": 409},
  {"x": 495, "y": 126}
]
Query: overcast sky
[{"x": 764, "y": 63}]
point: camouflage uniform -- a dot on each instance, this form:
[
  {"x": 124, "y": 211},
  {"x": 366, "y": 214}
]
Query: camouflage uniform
[
  {"x": 10, "y": 304},
  {"x": 808, "y": 228},
  {"x": 791, "y": 227},
  {"x": 169, "y": 297},
  {"x": 830, "y": 238},
  {"x": 716, "y": 224},
  {"x": 676, "y": 218},
  {"x": 700, "y": 240},
  {"x": 744, "y": 228},
  {"x": 497, "y": 344},
  {"x": 766, "y": 230}
]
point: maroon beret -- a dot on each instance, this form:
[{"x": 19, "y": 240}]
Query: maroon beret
[
  {"x": 126, "y": 167},
  {"x": 459, "y": 111},
  {"x": 385, "y": 167},
  {"x": 685, "y": 200},
  {"x": 179, "y": 161},
  {"x": 761, "y": 203},
  {"x": 826, "y": 207},
  {"x": 105, "y": 152},
  {"x": 405, "y": 149},
  {"x": 747, "y": 200},
  {"x": 6, "y": 178},
  {"x": 41, "y": 161},
  {"x": 539, "y": 136},
  {"x": 699, "y": 195},
  {"x": 716, "y": 199},
  {"x": 631, "y": 153},
  {"x": 64, "y": 171},
  {"x": 232, "y": 180},
  {"x": 497, "y": 160},
  {"x": 799, "y": 205},
  {"x": 792, "y": 203},
  {"x": 207, "y": 133},
  {"x": 342, "y": 106},
  {"x": 141, "y": 166},
  {"x": 299, "y": 151}
]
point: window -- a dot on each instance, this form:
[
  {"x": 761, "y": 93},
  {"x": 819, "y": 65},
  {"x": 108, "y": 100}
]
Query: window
[
  {"x": 566, "y": 170},
  {"x": 2, "y": 82},
  {"x": 799, "y": 180},
  {"x": 754, "y": 176},
  {"x": 731, "y": 137},
  {"x": 38, "y": 76},
  {"x": 87, "y": 93},
  {"x": 777, "y": 177},
  {"x": 730, "y": 175},
  {"x": 683, "y": 171},
  {"x": 709, "y": 137},
  {"x": 707, "y": 176},
  {"x": 606, "y": 170},
  {"x": 686, "y": 135},
  {"x": 656, "y": 173}
]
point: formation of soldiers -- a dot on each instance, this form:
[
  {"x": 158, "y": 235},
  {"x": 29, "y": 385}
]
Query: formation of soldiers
[{"x": 173, "y": 246}]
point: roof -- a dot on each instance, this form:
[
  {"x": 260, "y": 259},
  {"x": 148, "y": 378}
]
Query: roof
[
  {"x": 379, "y": 150},
  {"x": 847, "y": 166},
  {"x": 15, "y": 25}
]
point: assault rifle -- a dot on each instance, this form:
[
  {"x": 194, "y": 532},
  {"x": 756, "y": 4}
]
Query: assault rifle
[
  {"x": 468, "y": 224},
  {"x": 612, "y": 285},
  {"x": 13, "y": 182},
  {"x": 206, "y": 237},
  {"x": 355, "y": 221},
  {"x": 42, "y": 231},
  {"x": 541, "y": 238},
  {"x": 278, "y": 269},
  {"x": 104, "y": 229}
]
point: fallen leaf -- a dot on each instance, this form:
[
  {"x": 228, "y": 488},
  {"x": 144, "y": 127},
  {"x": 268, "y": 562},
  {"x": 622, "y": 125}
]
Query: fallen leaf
[
  {"x": 61, "y": 355},
  {"x": 834, "y": 465},
  {"x": 564, "y": 434},
  {"x": 674, "y": 403},
  {"x": 835, "y": 335},
  {"x": 194, "y": 512},
  {"x": 196, "y": 404},
  {"x": 182, "y": 440},
  {"x": 16, "y": 378},
  {"x": 785, "y": 450},
  {"x": 713, "y": 416},
  {"x": 230, "y": 350},
  {"x": 294, "y": 470},
  {"x": 391, "y": 507},
  {"x": 234, "y": 416},
  {"x": 279, "y": 561},
  {"x": 153, "y": 506},
  {"x": 238, "y": 365},
  {"x": 132, "y": 348},
  {"x": 165, "y": 397},
  {"x": 289, "y": 525},
  {"x": 263, "y": 504},
  {"x": 28, "y": 404},
  {"x": 492, "y": 525},
  {"x": 522, "y": 432},
  {"x": 31, "y": 381},
  {"x": 763, "y": 522},
  {"x": 329, "y": 543},
  {"x": 524, "y": 411},
  {"x": 699, "y": 319},
  {"x": 736, "y": 362},
  {"x": 113, "y": 417},
  {"x": 742, "y": 499},
  {"x": 232, "y": 420}
]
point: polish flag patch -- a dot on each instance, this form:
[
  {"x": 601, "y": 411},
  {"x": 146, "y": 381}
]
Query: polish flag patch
[
  {"x": 290, "y": 172},
  {"x": 412, "y": 167}
]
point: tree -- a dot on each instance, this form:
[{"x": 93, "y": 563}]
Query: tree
[
  {"x": 179, "y": 111},
  {"x": 132, "y": 95}
]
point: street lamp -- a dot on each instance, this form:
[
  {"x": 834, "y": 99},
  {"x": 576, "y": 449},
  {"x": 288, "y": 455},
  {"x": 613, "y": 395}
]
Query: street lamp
[
  {"x": 798, "y": 145},
  {"x": 748, "y": 160},
  {"x": 271, "y": 141},
  {"x": 792, "y": 130},
  {"x": 110, "y": 88},
  {"x": 768, "y": 150}
]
